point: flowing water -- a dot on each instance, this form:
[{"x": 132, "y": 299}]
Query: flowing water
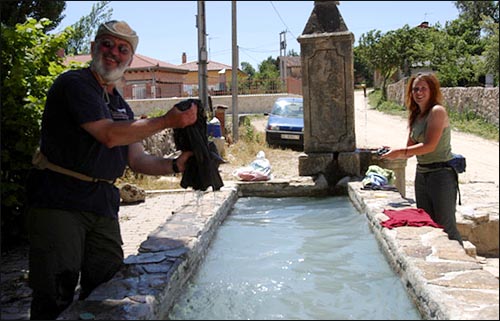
[{"x": 294, "y": 258}]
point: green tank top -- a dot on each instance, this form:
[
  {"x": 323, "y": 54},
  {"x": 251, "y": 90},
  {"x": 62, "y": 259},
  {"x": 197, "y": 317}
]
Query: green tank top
[{"x": 442, "y": 153}]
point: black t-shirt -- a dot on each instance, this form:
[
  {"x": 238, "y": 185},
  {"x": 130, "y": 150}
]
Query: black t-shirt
[{"x": 76, "y": 98}]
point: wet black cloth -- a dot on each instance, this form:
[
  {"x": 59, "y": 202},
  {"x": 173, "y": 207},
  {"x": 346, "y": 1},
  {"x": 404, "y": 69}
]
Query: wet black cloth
[{"x": 202, "y": 170}]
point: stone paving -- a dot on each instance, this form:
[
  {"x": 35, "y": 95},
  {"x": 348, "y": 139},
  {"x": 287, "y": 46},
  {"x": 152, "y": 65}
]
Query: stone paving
[
  {"x": 136, "y": 222},
  {"x": 445, "y": 282}
]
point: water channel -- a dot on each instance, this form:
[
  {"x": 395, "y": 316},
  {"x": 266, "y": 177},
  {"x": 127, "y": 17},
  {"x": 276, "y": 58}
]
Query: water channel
[{"x": 295, "y": 258}]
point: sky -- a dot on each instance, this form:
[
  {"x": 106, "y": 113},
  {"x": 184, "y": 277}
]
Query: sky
[{"x": 167, "y": 29}]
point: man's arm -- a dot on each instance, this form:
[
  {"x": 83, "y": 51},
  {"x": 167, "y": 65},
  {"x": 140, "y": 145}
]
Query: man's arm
[
  {"x": 118, "y": 133},
  {"x": 140, "y": 162}
]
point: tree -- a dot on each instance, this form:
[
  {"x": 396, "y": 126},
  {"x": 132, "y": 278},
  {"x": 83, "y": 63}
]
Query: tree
[
  {"x": 462, "y": 52},
  {"x": 293, "y": 53},
  {"x": 476, "y": 10},
  {"x": 491, "y": 48},
  {"x": 483, "y": 19},
  {"x": 248, "y": 69},
  {"x": 362, "y": 71},
  {"x": 86, "y": 28},
  {"x": 268, "y": 75},
  {"x": 29, "y": 66},
  {"x": 14, "y": 12},
  {"x": 269, "y": 67},
  {"x": 381, "y": 54}
]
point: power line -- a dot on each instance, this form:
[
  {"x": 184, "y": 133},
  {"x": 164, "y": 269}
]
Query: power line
[{"x": 279, "y": 16}]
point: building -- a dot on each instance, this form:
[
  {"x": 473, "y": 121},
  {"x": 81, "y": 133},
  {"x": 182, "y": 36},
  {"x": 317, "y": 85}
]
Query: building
[
  {"x": 219, "y": 77},
  {"x": 292, "y": 77},
  {"x": 147, "y": 78}
]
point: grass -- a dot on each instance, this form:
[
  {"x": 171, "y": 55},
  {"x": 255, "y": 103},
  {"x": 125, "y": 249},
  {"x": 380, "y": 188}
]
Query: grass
[
  {"x": 242, "y": 153},
  {"x": 467, "y": 122},
  {"x": 250, "y": 142}
]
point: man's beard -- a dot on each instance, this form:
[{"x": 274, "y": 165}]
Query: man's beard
[{"x": 109, "y": 76}]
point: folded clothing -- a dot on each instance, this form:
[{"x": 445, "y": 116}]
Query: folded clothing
[
  {"x": 408, "y": 217},
  {"x": 374, "y": 179}
]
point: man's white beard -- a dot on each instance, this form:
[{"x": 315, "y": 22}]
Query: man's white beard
[{"x": 109, "y": 76}]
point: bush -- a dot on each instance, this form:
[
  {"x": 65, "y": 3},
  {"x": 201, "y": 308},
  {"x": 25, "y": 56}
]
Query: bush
[{"x": 29, "y": 66}]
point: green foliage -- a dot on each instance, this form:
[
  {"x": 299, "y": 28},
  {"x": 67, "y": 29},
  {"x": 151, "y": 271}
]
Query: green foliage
[
  {"x": 381, "y": 53},
  {"x": 267, "y": 79},
  {"x": 268, "y": 68},
  {"x": 14, "y": 12},
  {"x": 388, "y": 107},
  {"x": 86, "y": 28},
  {"x": 469, "y": 121},
  {"x": 476, "y": 10},
  {"x": 462, "y": 52},
  {"x": 157, "y": 112},
  {"x": 363, "y": 73},
  {"x": 491, "y": 49},
  {"x": 29, "y": 66},
  {"x": 247, "y": 68},
  {"x": 248, "y": 133}
]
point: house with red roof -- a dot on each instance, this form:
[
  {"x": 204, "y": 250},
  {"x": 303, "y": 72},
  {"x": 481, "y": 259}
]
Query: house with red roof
[
  {"x": 219, "y": 77},
  {"x": 147, "y": 78}
]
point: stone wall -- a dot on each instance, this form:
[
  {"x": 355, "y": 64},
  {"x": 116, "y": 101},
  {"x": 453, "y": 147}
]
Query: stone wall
[
  {"x": 481, "y": 101},
  {"x": 160, "y": 144},
  {"x": 247, "y": 104}
]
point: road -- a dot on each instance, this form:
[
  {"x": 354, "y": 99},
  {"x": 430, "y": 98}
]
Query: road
[{"x": 375, "y": 129}]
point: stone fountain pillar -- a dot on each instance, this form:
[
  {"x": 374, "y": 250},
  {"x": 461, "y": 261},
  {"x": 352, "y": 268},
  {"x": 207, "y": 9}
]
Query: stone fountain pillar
[{"x": 328, "y": 92}]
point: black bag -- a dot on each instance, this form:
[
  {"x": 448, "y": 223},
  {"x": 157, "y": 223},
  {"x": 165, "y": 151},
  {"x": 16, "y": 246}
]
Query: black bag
[{"x": 458, "y": 163}]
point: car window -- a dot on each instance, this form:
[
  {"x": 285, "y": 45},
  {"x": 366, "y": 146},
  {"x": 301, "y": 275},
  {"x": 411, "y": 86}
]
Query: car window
[{"x": 288, "y": 109}]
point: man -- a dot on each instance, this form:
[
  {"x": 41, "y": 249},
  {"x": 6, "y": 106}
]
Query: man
[{"x": 88, "y": 137}]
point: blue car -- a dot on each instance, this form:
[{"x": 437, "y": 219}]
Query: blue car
[{"x": 285, "y": 125}]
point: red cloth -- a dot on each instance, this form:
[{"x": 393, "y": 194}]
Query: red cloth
[{"x": 408, "y": 217}]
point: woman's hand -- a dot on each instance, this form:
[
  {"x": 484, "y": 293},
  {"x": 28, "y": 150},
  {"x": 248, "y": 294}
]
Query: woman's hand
[{"x": 395, "y": 154}]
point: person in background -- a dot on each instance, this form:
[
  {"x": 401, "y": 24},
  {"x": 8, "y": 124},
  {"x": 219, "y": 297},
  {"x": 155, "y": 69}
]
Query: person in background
[
  {"x": 88, "y": 137},
  {"x": 429, "y": 139}
]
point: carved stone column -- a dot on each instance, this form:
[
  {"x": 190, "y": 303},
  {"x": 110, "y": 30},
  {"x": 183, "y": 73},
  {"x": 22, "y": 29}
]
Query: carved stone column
[
  {"x": 328, "y": 91},
  {"x": 328, "y": 81}
]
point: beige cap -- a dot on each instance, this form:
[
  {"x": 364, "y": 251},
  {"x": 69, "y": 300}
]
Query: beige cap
[{"x": 119, "y": 29}]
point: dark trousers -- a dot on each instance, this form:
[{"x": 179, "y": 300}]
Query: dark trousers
[
  {"x": 65, "y": 246},
  {"x": 436, "y": 193}
]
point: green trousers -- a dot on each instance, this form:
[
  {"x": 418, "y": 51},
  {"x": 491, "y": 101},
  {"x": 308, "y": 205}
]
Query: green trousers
[{"x": 67, "y": 247}]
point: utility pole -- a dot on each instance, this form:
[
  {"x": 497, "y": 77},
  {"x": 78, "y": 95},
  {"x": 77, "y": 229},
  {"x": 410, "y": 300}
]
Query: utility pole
[
  {"x": 234, "y": 80},
  {"x": 202, "y": 55},
  {"x": 283, "y": 72}
]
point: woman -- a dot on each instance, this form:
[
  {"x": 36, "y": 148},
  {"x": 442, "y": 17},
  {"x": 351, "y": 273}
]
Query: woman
[{"x": 429, "y": 138}]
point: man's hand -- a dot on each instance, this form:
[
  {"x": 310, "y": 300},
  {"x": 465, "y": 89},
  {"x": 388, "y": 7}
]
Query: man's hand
[
  {"x": 182, "y": 160},
  {"x": 176, "y": 118}
]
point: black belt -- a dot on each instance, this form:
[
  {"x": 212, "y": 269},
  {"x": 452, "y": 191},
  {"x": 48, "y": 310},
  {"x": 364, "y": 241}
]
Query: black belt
[{"x": 435, "y": 165}]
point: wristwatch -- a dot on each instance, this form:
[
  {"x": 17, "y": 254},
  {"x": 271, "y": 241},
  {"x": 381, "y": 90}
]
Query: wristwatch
[{"x": 174, "y": 166}]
